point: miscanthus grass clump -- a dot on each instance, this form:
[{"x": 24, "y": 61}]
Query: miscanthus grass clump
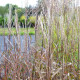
[{"x": 56, "y": 53}]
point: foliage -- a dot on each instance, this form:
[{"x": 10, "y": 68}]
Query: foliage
[
  {"x": 3, "y": 11},
  {"x": 20, "y": 12},
  {"x": 22, "y": 19},
  {"x": 1, "y": 21},
  {"x": 32, "y": 20},
  {"x": 55, "y": 54}
]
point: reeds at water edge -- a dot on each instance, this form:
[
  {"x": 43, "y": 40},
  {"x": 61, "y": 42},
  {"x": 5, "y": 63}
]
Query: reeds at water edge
[{"x": 56, "y": 53}]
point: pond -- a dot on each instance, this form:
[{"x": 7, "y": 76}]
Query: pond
[{"x": 30, "y": 38}]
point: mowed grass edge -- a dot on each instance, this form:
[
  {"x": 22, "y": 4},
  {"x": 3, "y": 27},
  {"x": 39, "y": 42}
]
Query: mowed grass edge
[{"x": 31, "y": 31}]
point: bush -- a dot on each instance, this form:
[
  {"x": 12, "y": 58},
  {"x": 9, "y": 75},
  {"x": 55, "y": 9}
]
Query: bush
[
  {"x": 32, "y": 20},
  {"x": 22, "y": 20}
]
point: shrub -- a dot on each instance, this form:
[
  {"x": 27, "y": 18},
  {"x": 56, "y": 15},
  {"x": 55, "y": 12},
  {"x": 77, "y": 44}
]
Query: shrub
[
  {"x": 32, "y": 20},
  {"x": 22, "y": 20}
]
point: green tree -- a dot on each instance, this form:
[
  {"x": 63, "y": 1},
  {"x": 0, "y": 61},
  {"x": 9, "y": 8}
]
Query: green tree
[
  {"x": 20, "y": 12},
  {"x": 3, "y": 11}
]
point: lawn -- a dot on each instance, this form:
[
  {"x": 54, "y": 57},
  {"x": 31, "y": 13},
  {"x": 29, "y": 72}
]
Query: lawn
[{"x": 31, "y": 31}]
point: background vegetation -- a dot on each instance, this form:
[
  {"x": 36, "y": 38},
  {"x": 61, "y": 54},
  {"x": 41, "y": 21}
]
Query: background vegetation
[{"x": 4, "y": 10}]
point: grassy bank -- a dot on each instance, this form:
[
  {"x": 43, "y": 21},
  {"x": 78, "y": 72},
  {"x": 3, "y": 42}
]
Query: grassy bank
[{"x": 31, "y": 31}]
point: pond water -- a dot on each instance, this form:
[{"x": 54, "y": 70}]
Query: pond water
[{"x": 30, "y": 38}]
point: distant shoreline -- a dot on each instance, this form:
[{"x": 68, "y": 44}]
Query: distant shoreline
[{"x": 22, "y": 31}]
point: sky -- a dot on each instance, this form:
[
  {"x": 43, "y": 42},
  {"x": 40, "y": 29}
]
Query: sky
[
  {"x": 20, "y": 3},
  {"x": 78, "y": 2}
]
